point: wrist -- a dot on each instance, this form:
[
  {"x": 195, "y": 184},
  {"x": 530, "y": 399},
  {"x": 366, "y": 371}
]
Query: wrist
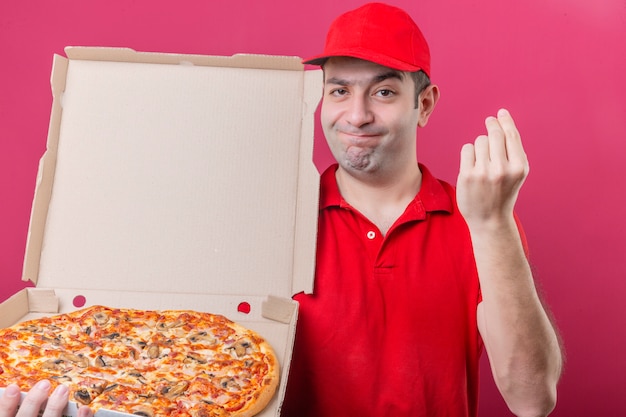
[{"x": 494, "y": 224}]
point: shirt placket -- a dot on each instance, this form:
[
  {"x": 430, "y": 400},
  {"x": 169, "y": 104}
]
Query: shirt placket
[{"x": 372, "y": 240}]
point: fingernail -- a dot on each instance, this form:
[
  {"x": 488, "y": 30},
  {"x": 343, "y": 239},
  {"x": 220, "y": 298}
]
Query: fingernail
[
  {"x": 60, "y": 391},
  {"x": 84, "y": 411},
  {"x": 12, "y": 391},
  {"x": 43, "y": 385},
  {"x": 503, "y": 112}
]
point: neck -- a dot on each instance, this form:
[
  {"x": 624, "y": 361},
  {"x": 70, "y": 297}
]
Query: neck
[{"x": 381, "y": 200}]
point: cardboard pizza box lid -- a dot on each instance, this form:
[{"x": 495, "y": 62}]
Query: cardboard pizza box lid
[
  {"x": 176, "y": 181},
  {"x": 174, "y": 173}
]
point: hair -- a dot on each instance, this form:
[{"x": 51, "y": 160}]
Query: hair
[{"x": 422, "y": 81}]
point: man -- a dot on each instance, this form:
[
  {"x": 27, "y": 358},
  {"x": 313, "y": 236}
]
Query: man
[{"x": 412, "y": 277}]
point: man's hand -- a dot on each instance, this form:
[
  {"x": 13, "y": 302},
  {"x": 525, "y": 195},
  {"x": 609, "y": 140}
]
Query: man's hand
[
  {"x": 521, "y": 342},
  {"x": 35, "y": 400},
  {"x": 492, "y": 172}
]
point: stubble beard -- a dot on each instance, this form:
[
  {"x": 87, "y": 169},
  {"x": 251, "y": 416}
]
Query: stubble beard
[{"x": 357, "y": 159}]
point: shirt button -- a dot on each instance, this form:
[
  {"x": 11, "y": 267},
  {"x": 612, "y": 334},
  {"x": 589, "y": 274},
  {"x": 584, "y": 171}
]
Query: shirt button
[{"x": 371, "y": 234}]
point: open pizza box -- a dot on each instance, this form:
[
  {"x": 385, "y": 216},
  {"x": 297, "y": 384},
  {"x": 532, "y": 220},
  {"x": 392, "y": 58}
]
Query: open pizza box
[{"x": 176, "y": 182}]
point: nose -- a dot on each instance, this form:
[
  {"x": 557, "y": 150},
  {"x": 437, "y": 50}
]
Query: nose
[{"x": 359, "y": 112}]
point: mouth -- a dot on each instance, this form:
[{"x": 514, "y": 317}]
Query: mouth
[{"x": 359, "y": 138}]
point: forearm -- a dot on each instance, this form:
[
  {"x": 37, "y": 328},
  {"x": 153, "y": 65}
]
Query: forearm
[{"x": 521, "y": 342}]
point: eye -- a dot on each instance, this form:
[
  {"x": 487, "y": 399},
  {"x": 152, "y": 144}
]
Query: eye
[
  {"x": 384, "y": 93},
  {"x": 338, "y": 92}
]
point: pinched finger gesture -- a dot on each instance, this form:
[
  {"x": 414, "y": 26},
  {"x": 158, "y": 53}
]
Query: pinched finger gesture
[{"x": 492, "y": 172}]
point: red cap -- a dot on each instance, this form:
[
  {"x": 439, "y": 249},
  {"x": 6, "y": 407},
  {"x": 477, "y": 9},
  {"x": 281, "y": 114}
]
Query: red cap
[{"x": 378, "y": 33}]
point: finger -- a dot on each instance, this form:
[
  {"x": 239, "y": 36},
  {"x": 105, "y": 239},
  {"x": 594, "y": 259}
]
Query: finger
[
  {"x": 506, "y": 120},
  {"x": 496, "y": 135},
  {"x": 468, "y": 157},
  {"x": 481, "y": 151},
  {"x": 84, "y": 411},
  {"x": 9, "y": 401},
  {"x": 34, "y": 399},
  {"x": 57, "y": 402},
  {"x": 514, "y": 147}
]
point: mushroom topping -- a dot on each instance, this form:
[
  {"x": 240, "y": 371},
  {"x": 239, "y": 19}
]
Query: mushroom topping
[
  {"x": 110, "y": 387},
  {"x": 241, "y": 346},
  {"x": 153, "y": 351},
  {"x": 230, "y": 384},
  {"x": 138, "y": 344},
  {"x": 139, "y": 377},
  {"x": 103, "y": 361},
  {"x": 174, "y": 389},
  {"x": 142, "y": 410},
  {"x": 202, "y": 337},
  {"x": 53, "y": 365},
  {"x": 169, "y": 325},
  {"x": 31, "y": 328},
  {"x": 101, "y": 318},
  {"x": 100, "y": 361},
  {"x": 83, "y": 396},
  {"x": 78, "y": 360},
  {"x": 196, "y": 357},
  {"x": 56, "y": 341},
  {"x": 61, "y": 378}
]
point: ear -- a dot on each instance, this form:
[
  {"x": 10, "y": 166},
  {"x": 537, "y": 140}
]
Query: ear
[{"x": 427, "y": 101}]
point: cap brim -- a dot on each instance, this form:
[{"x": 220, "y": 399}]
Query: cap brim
[
  {"x": 367, "y": 56},
  {"x": 316, "y": 60}
]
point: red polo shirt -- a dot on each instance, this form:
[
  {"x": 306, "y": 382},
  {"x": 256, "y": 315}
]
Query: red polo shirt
[{"x": 391, "y": 327}]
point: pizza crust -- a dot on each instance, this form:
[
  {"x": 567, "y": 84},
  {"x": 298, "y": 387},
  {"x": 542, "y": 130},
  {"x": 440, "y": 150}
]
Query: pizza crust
[{"x": 270, "y": 381}]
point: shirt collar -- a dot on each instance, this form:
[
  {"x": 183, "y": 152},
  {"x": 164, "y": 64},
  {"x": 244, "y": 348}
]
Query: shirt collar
[{"x": 432, "y": 195}]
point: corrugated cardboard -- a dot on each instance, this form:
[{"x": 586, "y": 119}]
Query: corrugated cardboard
[{"x": 176, "y": 182}]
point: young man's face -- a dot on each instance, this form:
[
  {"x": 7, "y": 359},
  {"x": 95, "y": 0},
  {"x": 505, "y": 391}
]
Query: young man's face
[{"x": 369, "y": 116}]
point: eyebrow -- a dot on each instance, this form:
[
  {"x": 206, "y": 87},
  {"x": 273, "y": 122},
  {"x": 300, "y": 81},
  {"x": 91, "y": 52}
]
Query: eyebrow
[{"x": 376, "y": 79}]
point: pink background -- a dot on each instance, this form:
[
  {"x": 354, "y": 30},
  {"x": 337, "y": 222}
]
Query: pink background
[{"x": 558, "y": 65}]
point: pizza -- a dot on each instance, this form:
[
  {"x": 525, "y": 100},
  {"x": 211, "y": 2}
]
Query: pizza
[{"x": 147, "y": 363}]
